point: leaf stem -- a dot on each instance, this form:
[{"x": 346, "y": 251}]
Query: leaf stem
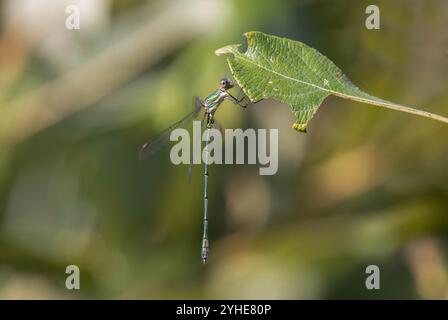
[{"x": 394, "y": 106}]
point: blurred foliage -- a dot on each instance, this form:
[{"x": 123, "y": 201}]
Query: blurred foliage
[{"x": 364, "y": 186}]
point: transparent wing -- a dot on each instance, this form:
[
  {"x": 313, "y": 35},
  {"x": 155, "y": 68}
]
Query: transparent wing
[{"x": 154, "y": 145}]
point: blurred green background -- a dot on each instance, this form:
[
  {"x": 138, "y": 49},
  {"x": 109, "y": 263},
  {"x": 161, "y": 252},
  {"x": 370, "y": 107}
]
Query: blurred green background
[{"x": 363, "y": 186}]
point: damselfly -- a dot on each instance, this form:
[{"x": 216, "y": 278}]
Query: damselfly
[{"x": 210, "y": 105}]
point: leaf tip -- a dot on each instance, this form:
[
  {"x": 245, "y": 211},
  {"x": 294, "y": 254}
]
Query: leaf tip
[
  {"x": 233, "y": 49},
  {"x": 301, "y": 127}
]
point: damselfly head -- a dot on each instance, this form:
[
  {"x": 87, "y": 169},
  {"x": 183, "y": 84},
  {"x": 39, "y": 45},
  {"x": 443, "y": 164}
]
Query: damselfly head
[{"x": 226, "y": 83}]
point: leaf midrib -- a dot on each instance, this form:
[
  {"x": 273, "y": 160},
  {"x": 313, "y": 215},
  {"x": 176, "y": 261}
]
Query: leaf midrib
[
  {"x": 336, "y": 93},
  {"x": 241, "y": 56}
]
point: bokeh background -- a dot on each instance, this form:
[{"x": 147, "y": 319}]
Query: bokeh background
[{"x": 364, "y": 186}]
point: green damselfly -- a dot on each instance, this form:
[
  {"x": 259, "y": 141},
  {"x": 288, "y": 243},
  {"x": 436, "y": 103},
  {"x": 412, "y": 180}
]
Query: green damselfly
[{"x": 210, "y": 105}]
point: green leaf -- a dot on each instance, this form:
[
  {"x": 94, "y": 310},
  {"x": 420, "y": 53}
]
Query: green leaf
[{"x": 291, "y": 72}]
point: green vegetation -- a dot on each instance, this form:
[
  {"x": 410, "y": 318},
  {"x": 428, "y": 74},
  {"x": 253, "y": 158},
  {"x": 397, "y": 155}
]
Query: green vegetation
[
  {"x": 362, "y": 187},
  {"x": 291, "y": 72}
]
